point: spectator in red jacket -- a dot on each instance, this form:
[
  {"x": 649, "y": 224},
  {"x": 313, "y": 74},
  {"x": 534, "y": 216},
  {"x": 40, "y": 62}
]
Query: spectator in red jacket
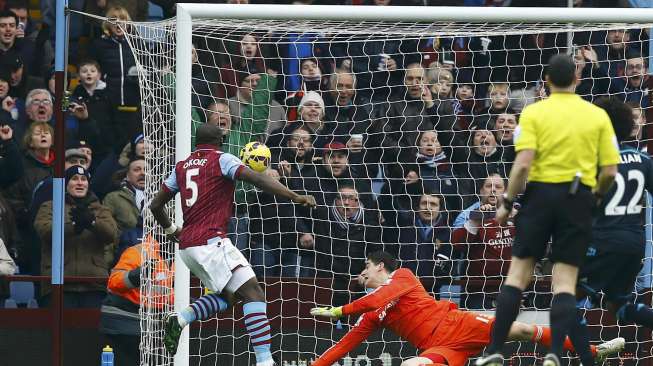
[{"x": 487, "y": 246}]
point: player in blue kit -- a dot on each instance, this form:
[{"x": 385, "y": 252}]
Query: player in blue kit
[{"x": 614, "y": 257}]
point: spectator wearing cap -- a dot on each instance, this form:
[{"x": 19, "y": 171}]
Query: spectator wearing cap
[
  {"x": 9, "y": 42},
  {"x": 43, "y": 190},
  {"x": 334, "y": 169},
  {"x": 127, "y": 202},
  {"x": 90, "y": 233},
  {"x": 253, "y": 110},
  {"x": 11, "y": 163},
  {"x": 311, "y": 116},
  {"x": 118, "y": 66},
  {"x": 310, "y": 76},
  {"x": 21, "y": 82}
]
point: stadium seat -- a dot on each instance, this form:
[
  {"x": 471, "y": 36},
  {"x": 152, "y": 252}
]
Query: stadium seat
[
  {"x": 10, "y": 304},
  {"x": 22, "y": 293},
  {"x": 155, "y": 12}
]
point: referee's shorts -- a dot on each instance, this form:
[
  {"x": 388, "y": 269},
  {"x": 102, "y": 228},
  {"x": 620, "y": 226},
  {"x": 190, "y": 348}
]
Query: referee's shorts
[{"x": 548, "y": 211}]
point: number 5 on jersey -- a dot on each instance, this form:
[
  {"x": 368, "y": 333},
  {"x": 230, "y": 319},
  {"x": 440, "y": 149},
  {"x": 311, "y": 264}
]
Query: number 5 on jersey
[{"x": 192, "y": 185}]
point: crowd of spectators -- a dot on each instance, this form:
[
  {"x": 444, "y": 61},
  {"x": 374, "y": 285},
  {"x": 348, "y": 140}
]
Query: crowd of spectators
[{"x": 405, "y": 142}]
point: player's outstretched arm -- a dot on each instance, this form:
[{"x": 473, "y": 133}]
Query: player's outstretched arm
[
  {"x": 272, "y": 186},
  {"x": 158, "y": 208},
  {"x": 364, "y": 327}
]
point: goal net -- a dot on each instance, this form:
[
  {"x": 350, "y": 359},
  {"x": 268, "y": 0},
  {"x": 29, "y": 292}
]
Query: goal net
[{"x": 402, "y": 131}]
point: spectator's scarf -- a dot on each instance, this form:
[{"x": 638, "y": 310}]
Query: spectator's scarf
[
  {"x": 344, "y": 222},
  {"x": 439, "y": 161},
  {"x": 139, "y": 196}
]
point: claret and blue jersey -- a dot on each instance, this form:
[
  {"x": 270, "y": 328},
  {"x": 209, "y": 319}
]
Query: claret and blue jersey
[{"x": 619, "y": 222}]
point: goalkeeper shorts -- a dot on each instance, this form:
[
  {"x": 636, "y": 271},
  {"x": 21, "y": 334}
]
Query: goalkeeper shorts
[{"x": 219, "y": 265}]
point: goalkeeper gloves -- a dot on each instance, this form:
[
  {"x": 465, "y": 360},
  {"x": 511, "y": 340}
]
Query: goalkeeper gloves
[{"x": 330, "y": 312}]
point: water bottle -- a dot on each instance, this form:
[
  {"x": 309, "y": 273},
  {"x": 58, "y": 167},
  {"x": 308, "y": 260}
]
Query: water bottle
[{"x": 107, "y": 356}]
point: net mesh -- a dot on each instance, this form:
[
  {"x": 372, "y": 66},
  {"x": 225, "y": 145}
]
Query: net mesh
[{"x": 372, "y": 118}]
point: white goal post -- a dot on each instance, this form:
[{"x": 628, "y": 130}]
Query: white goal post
[{"x": 558, "y": 19}]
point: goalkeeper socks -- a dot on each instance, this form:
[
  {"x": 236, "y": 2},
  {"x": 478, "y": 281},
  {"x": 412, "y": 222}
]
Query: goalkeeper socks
[
  {"x": 542, "y": 335},
  {"x": 508, "y": 304},
  {"x": 639, "y": 314},
  {"x": 202, "y": 309},
  {"x": 581, "y": 338},
  {"x": 258, "y": 327},
  {"x": 563, "y": 317}
]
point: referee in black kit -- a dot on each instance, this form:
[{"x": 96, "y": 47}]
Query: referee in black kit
[{"x": 561, "y": 142}]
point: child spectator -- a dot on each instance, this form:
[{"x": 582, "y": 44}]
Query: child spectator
[
  {"x": 441, "y": 81},
  {"x": 91, "y": 105}
]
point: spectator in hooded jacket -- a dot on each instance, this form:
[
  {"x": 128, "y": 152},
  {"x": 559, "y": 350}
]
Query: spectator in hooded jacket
[
  {"x": 118, "y": 66},
  {"x": 484, "y": 155},
  {"x": 90, "y": 234},
  {"x": 119, "y": 319}
]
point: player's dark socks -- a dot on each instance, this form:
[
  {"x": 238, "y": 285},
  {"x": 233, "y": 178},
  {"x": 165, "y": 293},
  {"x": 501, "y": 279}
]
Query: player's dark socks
[
  {"x": 580, "y": 337},
  {"x": 639, "y": 314},
  {"x": 508, "y": 304},
  {"x": 563, "y": 317}
]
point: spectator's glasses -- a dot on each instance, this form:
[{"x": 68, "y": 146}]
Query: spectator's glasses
[{"x": 44, "y": 102}]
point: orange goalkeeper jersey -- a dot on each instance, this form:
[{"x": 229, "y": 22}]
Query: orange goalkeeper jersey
[{"x": 401, "y": 305}]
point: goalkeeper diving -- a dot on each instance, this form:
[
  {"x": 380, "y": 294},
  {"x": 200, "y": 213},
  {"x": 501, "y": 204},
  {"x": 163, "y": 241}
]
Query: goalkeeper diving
[{"x": 443, "y": 334}]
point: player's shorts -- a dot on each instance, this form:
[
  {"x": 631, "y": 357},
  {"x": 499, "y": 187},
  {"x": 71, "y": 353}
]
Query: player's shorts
[
  {"x": 613, "y": 273},
  {"x": 461, "y": 335},
  {"x": 548, "y": 211},
  {"x": 218, "y": 264}
]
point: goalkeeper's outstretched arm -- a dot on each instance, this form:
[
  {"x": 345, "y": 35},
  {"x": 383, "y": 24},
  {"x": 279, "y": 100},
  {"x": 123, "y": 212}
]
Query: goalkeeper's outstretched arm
[{"x": 364, "y": 327}]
